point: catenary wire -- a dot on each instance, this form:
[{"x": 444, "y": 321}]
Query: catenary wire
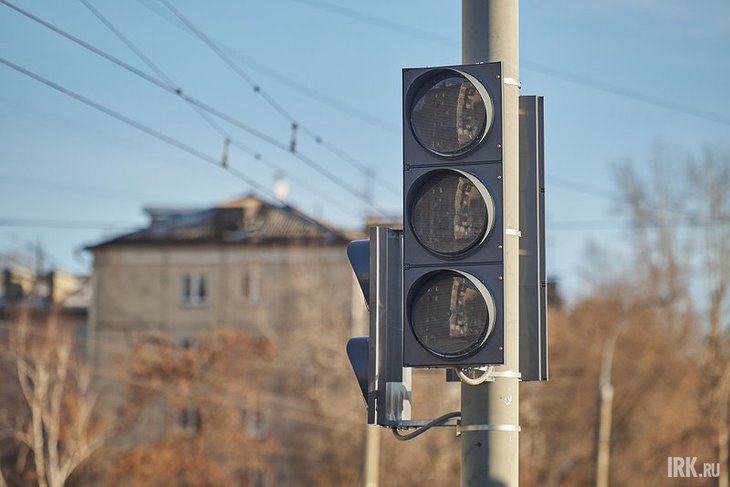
[
  {"x": 202, "y": 113},
  {"x": 148, "y": 62},
  {"x": 268, "y": 98},
  {"x": 64, "y": 224},
  {"x": 139, "y": 126},
  {"x": 213, "y": 111},
  {"x": 532, "y": 65},
  {"x": 339, "y": 105}
]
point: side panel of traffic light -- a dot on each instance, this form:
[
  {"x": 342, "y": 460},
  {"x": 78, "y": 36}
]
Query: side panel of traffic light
[
  {"x": 377, "y": 359},
  {"x": 533, "y": 280},
  {"x": 453, "y": 225}
]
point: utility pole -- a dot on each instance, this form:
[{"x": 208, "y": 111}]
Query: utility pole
[
  {"x": 490, "y": 411},
  {"x": 605, "y": 388}
]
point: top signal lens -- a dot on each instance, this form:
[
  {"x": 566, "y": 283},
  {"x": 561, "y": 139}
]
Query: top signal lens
[{"x": 450, "y": 114}]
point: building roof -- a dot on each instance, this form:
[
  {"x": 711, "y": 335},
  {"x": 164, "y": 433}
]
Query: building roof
[{"x": 247, "y": 220}]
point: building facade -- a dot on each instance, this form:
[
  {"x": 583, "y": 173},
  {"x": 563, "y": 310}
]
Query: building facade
[{"x": 245, "y": 265}]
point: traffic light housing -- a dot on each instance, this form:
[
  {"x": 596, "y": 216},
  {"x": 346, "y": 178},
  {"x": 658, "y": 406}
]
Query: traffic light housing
[
  {"x": 453, "y": 221},
  {"x": 377, "y": 359}
]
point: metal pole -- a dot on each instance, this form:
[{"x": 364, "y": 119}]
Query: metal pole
[
  {"x": 605, "y": 388},
  {"x": 372, "y": 455},
  {"x": 490, "y": 448}
]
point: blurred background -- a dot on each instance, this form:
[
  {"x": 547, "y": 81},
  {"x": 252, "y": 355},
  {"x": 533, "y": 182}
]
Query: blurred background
[{"x": 179, "y": 181}]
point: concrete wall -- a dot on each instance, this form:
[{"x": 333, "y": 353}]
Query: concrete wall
[{"x": 297, "y": 295}]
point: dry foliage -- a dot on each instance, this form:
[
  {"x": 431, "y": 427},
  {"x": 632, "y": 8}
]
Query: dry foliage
[
  {"x": 204, "y": 392},
  {"x": 55, "y": 423}
]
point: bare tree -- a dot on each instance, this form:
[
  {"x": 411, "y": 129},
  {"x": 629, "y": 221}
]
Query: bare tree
[
  {"x": 56, "y": 420},
  {"x": 208, "y": 397},
  {"x": 686, "y": 227}
]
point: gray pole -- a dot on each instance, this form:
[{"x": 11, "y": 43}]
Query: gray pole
[
  {"x": 605, "y": 389},
  {"x": 490, "y": 447},
  {"x": 372, "y": 455}
]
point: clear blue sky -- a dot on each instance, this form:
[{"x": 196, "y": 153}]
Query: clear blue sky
[{"x": 64, "y": 161}]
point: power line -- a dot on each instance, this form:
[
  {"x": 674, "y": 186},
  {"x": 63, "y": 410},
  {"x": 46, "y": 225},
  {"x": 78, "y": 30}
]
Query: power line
[
  {"x": 588, "y": 189},
  {"x": 71, "y": 189},
  {"x": 64, "y": 224},
  {"x": 213, "y": 111},
  {"x": 534, "y": 66},
  {"x": 580, "y": 187},
  {"x": 268, "y": 98},
  {"x": 231, "y": 64},
  {"x": 628, "y": 93},
  {"x": 380, "y": 22},
  {"x": 292, "y": 83},
  {"x": 369, "y": 173},
  {"x": 199, "y": 111},
  {"x": 596, "y": 225},
  {"x": 148, "y": 62},
  {"x": 139, "y": 126}
]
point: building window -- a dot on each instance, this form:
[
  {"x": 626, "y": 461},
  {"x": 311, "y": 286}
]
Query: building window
[
  {"x": 256, "y": 423},
  {"x": 194, "y": 289},
  {"x": 250, "y": 286},
  {"x": 190, "y": 420},
  {"x": 188, "y": 343}
]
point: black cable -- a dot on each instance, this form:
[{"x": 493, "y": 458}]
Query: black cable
[
  {"x": 436, "y": 422},
  {"x": 231, "y": 64},
  {"x": 200, "y": 112},
  {"x": 139, "y": 126},
  {"x": 65, "y": 224},
  {"x": 228, "y": 118},
  {"x": 294, "y": 84},
  {"x": 368, "y": 172},
  {"x": 627, "y": 93},
  {"x": 380, "y": 22},
  {"x": 530, "y": 65},
  {"x": 257, "y": 89}
]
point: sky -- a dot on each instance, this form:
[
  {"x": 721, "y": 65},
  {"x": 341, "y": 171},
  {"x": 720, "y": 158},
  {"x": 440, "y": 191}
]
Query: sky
[{"x": 620, "y": 77}]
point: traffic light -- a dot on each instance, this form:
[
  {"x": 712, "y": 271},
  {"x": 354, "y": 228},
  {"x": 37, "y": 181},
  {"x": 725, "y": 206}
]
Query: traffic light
[
  {"x": 377, "y": 359},
  {"x": 453, "y": 223}
]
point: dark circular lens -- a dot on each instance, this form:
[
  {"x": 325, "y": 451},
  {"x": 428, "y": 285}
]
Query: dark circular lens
[
  {"x": 448, "y": 213},
  {"x": 449, "y": 315},
  {"x": 450, "y": 116}
]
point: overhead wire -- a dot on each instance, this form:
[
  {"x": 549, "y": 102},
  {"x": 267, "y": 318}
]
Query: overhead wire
[
  {"x": 531, "y": 65},
  {"x": 63, "y": 224},
  {"x": 71, "y": 189},
  {"x": 282, "y": 78},
  {"x": 139, "y": 126},
  {"x": 228, "y": 61},
  {"x": 209, "y": 109},
  {"x": 201, "y": 112},
  {"x": 295, "y": 124},
  {"x": 690, "y": 219},
  {"x": 380, "y": 22}
]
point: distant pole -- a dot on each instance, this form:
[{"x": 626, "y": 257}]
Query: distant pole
[
  {"x": 490, "y": 412},
  {"x": 605, "y": 390},
  {"x": 724, "y": 434}
]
